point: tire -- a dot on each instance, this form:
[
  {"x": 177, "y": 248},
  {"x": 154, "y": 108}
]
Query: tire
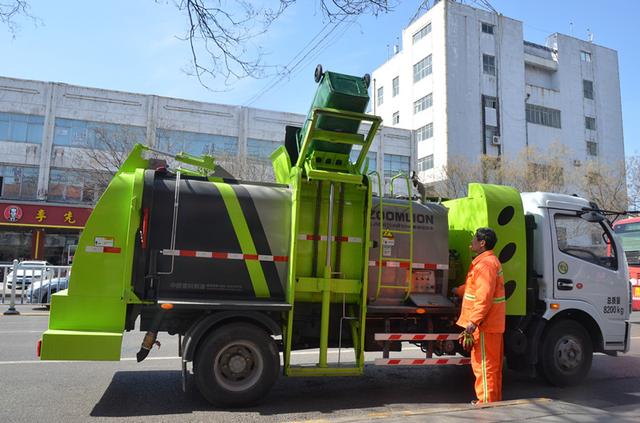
[
  {"x": 566, "y": 353},
  {"x": 236, "y": 365}
]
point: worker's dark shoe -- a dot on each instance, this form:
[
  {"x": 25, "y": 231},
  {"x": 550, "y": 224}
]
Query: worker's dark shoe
[{"x": 474, "y": 402}]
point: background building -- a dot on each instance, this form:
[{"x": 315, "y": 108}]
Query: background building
[
  {"x": 468, "y": 84},
  {"x": 59, "y": 143}
]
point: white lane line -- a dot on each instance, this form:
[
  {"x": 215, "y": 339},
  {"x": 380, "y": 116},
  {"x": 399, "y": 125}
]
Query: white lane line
[
  {"x": 8, "y": 332},
  {"x": 316, "y": 352}
]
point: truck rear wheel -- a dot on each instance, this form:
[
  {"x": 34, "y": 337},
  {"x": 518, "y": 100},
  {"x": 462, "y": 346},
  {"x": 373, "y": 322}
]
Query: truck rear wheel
[
  {"x": 567, "y": 353},
  {"x": 236, "y": 365}
]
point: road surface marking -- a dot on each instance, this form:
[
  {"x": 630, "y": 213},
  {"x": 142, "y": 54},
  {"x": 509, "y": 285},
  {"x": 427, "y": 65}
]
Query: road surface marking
[{"x": 153, "y": 358}]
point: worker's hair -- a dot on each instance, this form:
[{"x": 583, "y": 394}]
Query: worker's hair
[{"x": 487, "y": 235}]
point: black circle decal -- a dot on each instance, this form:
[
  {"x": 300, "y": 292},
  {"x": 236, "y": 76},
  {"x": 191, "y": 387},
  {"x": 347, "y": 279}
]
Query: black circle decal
[
  {"x": 506, "y": 215},
  {"x": 509, "y": 288},
  {"x": 507, "y": 252}
]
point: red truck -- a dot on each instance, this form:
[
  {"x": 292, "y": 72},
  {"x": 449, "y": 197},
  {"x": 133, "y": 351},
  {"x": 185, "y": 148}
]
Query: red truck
[{"x": 629, "y": 232}]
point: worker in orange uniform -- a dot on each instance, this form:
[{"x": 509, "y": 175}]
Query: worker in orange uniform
[{"x": 483, "y": 315}]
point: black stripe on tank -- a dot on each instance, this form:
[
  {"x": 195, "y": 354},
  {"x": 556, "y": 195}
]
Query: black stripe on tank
[{"x": 259, "y": 240}]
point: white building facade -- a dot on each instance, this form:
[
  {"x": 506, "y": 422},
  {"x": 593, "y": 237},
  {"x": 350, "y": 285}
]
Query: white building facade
[
  {"x": 47, "y": 129},
  {"x": 468, "y": 84}
]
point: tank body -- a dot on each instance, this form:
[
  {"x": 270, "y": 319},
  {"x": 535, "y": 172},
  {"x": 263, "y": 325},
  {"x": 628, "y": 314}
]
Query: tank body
[
  {"x": 430, "y": 257},
  {"x": 231, "y": 240}
]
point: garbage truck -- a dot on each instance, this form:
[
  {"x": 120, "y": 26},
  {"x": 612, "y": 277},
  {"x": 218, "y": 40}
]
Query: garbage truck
[{"x": 245, "y": 273}]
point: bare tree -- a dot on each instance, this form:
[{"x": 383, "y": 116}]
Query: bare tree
[
  {"x": 247, "y": 168},
  {"x": 633, "y": 182},
  {"x": 10, "y": 10},
  {"x": 548, "y": 171},
  {"x": 219, "y": 33},
  {"x": 605, "y": 185}
]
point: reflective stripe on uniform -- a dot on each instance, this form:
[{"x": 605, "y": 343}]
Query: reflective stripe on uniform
[
  {"x": 469, "y": 297},
  {"x": 499, "y": 300},
  {"x": 484, "y": 369}
]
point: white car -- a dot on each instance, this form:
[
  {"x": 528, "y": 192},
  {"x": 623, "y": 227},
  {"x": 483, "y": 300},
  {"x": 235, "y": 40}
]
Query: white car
[
  {"x": 40, "y": 291},
  {"x": 29, "y": 271}
]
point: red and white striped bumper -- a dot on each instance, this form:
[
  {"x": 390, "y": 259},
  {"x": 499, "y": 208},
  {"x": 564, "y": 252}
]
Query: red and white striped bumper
[
  {"x": 457, "y": 361},
  {"x": 416, "y": 336}
]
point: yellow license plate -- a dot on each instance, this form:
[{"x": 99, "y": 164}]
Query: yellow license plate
[{"x": 637, "y": 291}]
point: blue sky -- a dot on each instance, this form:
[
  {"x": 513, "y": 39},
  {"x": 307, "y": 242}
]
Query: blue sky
[{"x": 132, "y": 46}]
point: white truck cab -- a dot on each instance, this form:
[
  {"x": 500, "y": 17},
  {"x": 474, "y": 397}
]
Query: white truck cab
[{"x": 579, "y": 278}]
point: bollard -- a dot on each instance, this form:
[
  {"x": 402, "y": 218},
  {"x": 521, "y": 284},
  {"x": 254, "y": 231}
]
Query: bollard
[{"x": 12, "y": 304}]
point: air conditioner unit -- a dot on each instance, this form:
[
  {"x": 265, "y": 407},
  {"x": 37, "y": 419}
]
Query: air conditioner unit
[
  {"x": 577, "y": 163},
  {"x": 495, "y": 140}
]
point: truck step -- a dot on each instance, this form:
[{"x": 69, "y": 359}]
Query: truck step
[
  {"x": 457, "y": 361},
  {"x": 416, "y": 336}
]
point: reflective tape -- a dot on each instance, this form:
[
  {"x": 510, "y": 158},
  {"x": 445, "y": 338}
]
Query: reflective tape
[
  {"x": 405, "y": 265},
  {"x": 416, "y": 336},
  {"x": 422, "y": 361},
  {"x": 311, "y": 237},
  {"x": 92, "y": 249},
  {"x": 223, "y": 256}
]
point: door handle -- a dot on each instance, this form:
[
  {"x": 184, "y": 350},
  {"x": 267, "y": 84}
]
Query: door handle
[{"x": 565, "y": 284}]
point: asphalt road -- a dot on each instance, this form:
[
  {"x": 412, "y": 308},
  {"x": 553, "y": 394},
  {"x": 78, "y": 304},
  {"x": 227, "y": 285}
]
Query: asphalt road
[{"x": 31, "y": 390}]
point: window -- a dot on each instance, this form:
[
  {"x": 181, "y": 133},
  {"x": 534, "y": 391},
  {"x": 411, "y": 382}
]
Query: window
[
  {"x": 380, "y": 95},
  {"x": 73, "y": 186},
  {"x": 261, "y": 149},
  {"x": 18, "y": 182},
  {"x": 21, "y": 128},
  {"x": 425, "y": 163},
  {"x": 585, "y": 56},
  {"x": 490, "y": 102},
  {"x": 590, "y": 123},
  {"x": 425, "y": 132},
  {"x": 196, "y": 143},
  {"x": 585, "y": 240},
  {"x": 423, "y": 32},
  {"x": 587, "y": 89},
  {"x": 489, "y": 133},
  {"x": 371, "y": 155},
  {"x": 422, "y": 69},
  {"x": 394, "y": 164},
  {"x": 423, "y": 104},
  {"x": 396, "y": 118},
  {"x": 592, "y": 148},
  {"x": 487, "y": 28},
  {"x": 489, "y": 64},
  {"x": 543, "y": 115},
  {"x": 80, "y": 133},
  {"x": 395, "y": 88}
]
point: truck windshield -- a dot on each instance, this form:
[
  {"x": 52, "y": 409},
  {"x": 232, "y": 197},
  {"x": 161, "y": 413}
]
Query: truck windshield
[{"x": 629, "y": 233}]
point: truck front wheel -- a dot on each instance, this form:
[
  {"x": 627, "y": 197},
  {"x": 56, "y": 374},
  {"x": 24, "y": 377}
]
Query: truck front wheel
[
  {"x": 567, "y": 352},
  {"x": 236, "y": 365}
]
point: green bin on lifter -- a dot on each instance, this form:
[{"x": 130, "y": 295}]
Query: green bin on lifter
[{"x": 342, "y": 92}]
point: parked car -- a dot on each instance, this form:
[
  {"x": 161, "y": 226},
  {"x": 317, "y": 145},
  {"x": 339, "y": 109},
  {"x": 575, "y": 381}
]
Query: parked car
[
  {"x": 41, "y": 291},
  {"x": 29, "y": 271}
]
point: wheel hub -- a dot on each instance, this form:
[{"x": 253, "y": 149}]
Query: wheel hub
[
  {"x": 236, "y": 362},
  {"x": 569, "y": 353}
]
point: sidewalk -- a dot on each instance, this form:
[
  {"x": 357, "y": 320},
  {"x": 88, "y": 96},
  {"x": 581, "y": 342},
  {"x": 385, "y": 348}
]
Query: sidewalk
[
  {"x": 538, "y": 409},
  {"x": 24, "y": 310}
]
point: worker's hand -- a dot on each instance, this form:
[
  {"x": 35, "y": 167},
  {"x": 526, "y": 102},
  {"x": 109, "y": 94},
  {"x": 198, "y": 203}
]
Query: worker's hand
[
  {"x": 466, "y": 340},
  {"x": 471, "y": 327}
]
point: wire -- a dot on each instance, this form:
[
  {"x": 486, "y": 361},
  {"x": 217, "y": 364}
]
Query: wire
[{"x": 291, "y": 70}]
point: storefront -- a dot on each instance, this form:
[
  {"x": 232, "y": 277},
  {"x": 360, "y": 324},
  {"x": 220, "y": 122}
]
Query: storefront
[{"x": 40, "y": 231}]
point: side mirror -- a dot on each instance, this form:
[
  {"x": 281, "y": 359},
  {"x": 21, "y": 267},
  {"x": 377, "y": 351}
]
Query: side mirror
[{"x": 592, "y": 217}]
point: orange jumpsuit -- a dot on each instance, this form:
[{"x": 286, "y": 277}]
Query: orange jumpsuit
[{"x": 484, "y": 304}]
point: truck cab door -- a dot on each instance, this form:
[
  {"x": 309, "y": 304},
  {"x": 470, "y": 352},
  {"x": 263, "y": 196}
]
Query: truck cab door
[{"x": 588, "y": 267}]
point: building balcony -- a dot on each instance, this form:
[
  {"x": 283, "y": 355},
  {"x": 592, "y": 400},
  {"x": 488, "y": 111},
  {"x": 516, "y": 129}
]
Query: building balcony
[{"x": 540, "y": 56}]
